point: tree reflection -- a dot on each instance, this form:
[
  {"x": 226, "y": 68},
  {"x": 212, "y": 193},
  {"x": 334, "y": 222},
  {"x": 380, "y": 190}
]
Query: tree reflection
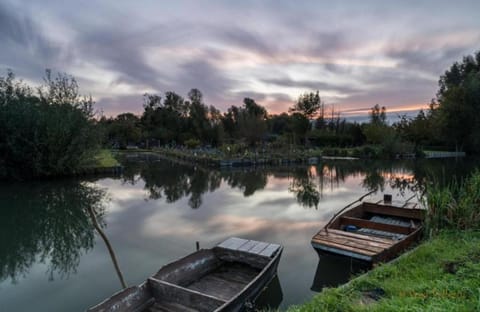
[
  {"x": 47, "y": 223},
  {"x": 304, "y": 187},
  {"x": 174, "y": 181},
  {"x": 165, "y": 179},
  {"x": 249, "y": 181}
]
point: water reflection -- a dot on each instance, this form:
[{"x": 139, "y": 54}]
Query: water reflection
[
  {"x": 333, "y": 270},
  {"x": 47, "y": 223},
  {"x": 271, "y": 297},
  {"x": 151, "y": 222},
  {"x": 163, "y": 179}
]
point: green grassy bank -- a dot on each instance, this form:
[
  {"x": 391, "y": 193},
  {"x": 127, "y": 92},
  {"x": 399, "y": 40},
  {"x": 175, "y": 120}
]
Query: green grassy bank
[
  {"x": 104, "y": 159},
  {"x": 443, "y": 274}
]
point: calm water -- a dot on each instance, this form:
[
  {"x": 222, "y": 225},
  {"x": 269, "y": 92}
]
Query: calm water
[{"x": 51, "y": 259}]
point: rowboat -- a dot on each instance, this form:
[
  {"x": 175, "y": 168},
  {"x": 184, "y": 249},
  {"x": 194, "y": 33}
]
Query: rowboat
[
  {"x": 372, "y": 231},
  {"x": 223, "y": 278}
]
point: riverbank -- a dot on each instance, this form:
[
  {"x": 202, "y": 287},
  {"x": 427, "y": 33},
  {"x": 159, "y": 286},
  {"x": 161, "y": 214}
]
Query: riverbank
[
  {"x": 234, "y": 157},
  {"x": 217, "y": 158},
  {"x": 442, "y": 274},
  {"x": 103, "y": 162}
]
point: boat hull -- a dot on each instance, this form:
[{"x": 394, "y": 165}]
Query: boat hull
[{"x": 224, "y": 278}]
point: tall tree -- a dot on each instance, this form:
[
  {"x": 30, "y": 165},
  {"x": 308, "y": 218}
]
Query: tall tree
[
  {"x": 251, "y": 121},
  {"x": 378, "y": 115},
  {"x": 308, "y": 105},
  {"x": 458, "y": 100}
]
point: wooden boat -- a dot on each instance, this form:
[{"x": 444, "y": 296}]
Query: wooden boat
[
  {"x": 372, "y": 232},
  {"x": 223, "y": 278}
]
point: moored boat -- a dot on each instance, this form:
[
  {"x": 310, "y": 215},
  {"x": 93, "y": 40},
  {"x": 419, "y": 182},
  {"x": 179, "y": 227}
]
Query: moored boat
[
  {"x": 372, "y": 231},
  {"x": 223, "y": 278}
]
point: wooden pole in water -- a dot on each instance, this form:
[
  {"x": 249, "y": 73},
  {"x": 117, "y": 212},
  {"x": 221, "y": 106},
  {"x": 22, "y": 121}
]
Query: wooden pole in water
[{"x": 109, "y": 246}]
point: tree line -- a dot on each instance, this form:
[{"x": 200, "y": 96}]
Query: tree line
[
  {"x": 177, "y": 121},
  {"x": 52, "y": 129}
]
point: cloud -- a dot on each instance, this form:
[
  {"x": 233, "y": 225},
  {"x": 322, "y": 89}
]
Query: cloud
[
  {"x": 431, "y": 61},
  {"x": 210, "y": 80},
  {"x": 120, "y": 53},
  {"x": 248, "y": 40},
  {"x": 309, "y": 84},
  {"x": 25, "y": 48},
  {"x": 115, "y": 105}
]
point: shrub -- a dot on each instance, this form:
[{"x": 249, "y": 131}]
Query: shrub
[{"x": 47, "y": 132}]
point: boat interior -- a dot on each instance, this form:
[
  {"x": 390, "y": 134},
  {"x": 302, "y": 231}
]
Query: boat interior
[
  {"x": 380, "y": 220},
  {"x": 202, "y": 281}
]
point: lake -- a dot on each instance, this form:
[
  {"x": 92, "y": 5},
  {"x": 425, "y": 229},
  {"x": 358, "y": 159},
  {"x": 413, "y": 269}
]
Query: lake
[{"x": 155, "y": 212}]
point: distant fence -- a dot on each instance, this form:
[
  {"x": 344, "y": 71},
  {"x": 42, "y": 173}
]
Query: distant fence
[{"x": 438, "y": 154}]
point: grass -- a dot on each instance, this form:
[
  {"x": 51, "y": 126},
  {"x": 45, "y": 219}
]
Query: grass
[
  {"x": 443, "y": 274},
  {"x": 105, "y": 159}
]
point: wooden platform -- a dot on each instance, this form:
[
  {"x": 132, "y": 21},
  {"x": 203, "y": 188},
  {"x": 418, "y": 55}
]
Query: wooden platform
[
  {"x": 364, "y": 247},
  {"x": 250, "y": 246}
]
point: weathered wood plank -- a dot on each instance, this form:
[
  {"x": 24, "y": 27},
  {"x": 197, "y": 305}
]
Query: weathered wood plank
[
  {"x": 226, "y": 281},
  {"x": 188, "y": 297},
  {"x": 259, "y": 248},
  {"x": 341, "y": 246},
  {"x": 352, "y": 243},
  {"x": 254, "y": 260},
  {"x": 136, "y": 297},
  {"x": 418, "y": 214},
  {"x": 166, "y": 306},
  {"x": 183, "y": 271},
  {"x": 375, "y": 225},
  {"x": 360, "y": 236},
  {"x": 270, "y": 250},
  {"x": 233, "y": 243},
  {"x": 248, "y": 245},
  {"x": 333, "y": 236},
  {"x": 342, "y": 252},
  {"x": 355, "y": 239}
]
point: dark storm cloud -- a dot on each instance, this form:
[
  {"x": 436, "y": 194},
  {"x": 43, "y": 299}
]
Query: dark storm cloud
[{"x": 310, "y": 84}]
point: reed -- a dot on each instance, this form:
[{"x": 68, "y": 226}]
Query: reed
[{"x": 455, "y": 206}]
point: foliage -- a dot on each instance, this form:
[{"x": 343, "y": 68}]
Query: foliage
[
  {"x": 300, "y": 126},
  {"x": 458, "y": 102},
  {"x": 122, "y": 130},
  {"x": 247, "y": 123},
  {"x": 455, "y": 206},
  {"x": 47, "y": 132},
  {"x": 308, "y": 105}
]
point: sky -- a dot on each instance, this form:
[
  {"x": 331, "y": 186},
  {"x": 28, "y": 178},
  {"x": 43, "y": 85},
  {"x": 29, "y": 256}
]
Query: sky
[{"x": 355, "y": 53}]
